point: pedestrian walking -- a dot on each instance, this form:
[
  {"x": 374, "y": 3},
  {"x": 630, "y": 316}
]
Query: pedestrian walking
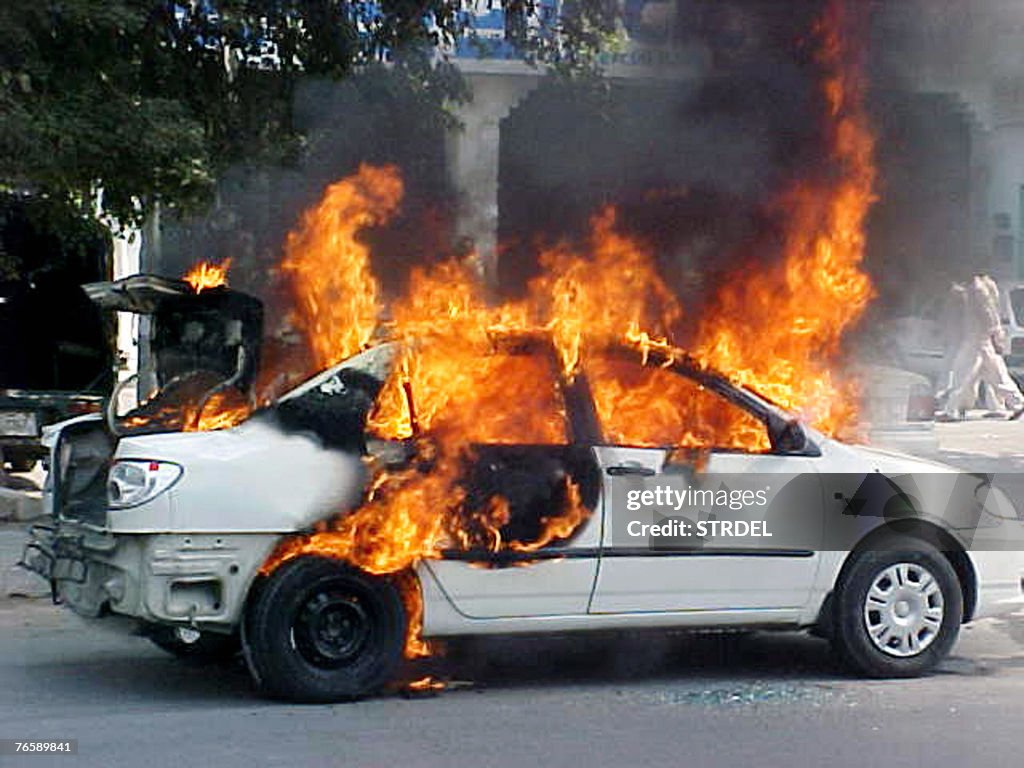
[{"x": 979, "y": 357}]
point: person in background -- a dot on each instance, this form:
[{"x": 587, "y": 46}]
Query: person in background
[
  {"x": 954, "y": 333},
  {"x": 978, "y": 359}
]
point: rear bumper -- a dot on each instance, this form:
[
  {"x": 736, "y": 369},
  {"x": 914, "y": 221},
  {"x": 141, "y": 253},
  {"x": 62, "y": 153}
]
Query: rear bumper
[{"x": 198, "y": 580}]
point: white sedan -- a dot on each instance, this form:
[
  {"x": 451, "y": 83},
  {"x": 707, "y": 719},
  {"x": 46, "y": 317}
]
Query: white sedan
[{"x": 884, "y": 554}]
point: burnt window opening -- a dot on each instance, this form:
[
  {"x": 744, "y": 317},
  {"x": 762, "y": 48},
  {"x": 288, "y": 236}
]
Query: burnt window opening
[
  {"x": 524, "y": 471},
  {"x": 534, "y": 485},
  {"x": 509, "y": 398},
  {"x": 335, "y": 411},
  {"x": 652, "y": 406}
]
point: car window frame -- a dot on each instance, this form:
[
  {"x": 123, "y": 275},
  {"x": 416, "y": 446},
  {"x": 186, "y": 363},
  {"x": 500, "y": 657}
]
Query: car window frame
[{"x": 772, "y": 417}]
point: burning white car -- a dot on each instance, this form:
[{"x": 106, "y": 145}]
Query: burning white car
[{"x": 218, "y": 540}]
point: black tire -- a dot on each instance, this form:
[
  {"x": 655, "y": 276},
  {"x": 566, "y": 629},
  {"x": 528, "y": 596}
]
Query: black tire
[
  {"x": 207, "y": 648},
  {"x": 321, "y": 631},
  {"x": 906, "y": 565}
]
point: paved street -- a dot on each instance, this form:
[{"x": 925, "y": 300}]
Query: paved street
[
  {"x": 598, "y": 701},
  {"x": 763, "y": 700}
]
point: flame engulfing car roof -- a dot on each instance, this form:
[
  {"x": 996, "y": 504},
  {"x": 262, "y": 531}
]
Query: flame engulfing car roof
[{"x": 786, "y": 434}]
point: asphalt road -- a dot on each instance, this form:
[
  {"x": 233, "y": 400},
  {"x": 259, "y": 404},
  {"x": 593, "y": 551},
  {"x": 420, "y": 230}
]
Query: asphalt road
[
  {"x": 759, "y": 700},
  {"x": 597, "y": 701}
]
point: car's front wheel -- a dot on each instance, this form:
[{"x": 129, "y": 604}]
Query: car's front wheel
[
  {"x": 898, "y": 609},
  {"x": 319, "y": 630}
]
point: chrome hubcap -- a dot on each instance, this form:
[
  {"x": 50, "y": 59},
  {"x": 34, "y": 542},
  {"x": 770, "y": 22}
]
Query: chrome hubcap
[{"x": 903, "y": 610}]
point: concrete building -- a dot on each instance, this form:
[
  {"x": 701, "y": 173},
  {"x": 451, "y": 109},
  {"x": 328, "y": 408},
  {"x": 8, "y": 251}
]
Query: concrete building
[
  {"x": 649, "y": 52},
  {"x": 972, "y": 54}
]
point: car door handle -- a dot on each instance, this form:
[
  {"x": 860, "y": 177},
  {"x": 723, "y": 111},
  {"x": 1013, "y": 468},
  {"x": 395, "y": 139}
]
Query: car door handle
[{"x": 626, "y": 469}]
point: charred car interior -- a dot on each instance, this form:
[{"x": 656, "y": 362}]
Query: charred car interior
[{"x": 201, "y": 344}]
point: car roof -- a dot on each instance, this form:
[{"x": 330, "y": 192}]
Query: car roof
[{"x": 376, "y": 361}]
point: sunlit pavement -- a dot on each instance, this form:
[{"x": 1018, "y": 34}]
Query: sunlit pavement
[
  {"x": 640, "y": 699},
  {"x": 989, "y": 438},
  {"x": 636, "y": 700}
]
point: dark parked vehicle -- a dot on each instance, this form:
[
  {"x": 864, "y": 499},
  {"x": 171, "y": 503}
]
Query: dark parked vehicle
[{"x": 56, "y": 347}]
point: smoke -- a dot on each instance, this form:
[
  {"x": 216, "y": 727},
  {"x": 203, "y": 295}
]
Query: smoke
[
  {"x": 691, "y": 161},
  {"x": 377, "y": 118},
  {"x": 946, "y": 45},
  {"x": 934, "y": 66}
]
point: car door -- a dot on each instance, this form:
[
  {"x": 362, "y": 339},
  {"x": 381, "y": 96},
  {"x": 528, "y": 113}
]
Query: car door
[
  {"x": 693, "y": 441},
  {"x": 541, "y": 479}
]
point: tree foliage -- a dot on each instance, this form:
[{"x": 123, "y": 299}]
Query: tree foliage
[{"x": 147, "y": 100}]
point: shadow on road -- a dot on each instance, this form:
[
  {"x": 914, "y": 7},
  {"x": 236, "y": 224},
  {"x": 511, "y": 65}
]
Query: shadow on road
[
  {"x": 129, "y": 670},
  {"x": 601, "y": 659},
  {"x": 133, "y": 672},
  {"x": 144, "y": 679}
]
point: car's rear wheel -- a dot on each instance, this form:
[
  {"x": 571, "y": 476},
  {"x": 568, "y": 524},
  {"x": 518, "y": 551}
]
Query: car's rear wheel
[
  {"x": 194, "y": 645},
  {"x": 898, "y": 609},
  {"x": 319, "y": 630}
]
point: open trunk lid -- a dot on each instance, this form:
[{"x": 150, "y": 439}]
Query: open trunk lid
[{"x": 216, "y": 329}]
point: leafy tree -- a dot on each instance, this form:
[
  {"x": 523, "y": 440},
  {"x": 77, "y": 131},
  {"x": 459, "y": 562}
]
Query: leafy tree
[{"x": 141, "y": 100}]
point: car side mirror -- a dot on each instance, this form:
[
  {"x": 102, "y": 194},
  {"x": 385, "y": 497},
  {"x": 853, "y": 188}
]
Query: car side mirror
[{"x": 790, "y": 438}]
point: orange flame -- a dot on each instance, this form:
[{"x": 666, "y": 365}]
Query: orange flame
[
  {"x": 222, "y": 411},
  {"x": 779, "y": 330},
  {"x": 459, "y": 368},
  {"x": 206, "y": 275},
  {"x": 335, "y": 290},
  {"x": 425, "y": 684},
  {"x": 593, "y": 299}
]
